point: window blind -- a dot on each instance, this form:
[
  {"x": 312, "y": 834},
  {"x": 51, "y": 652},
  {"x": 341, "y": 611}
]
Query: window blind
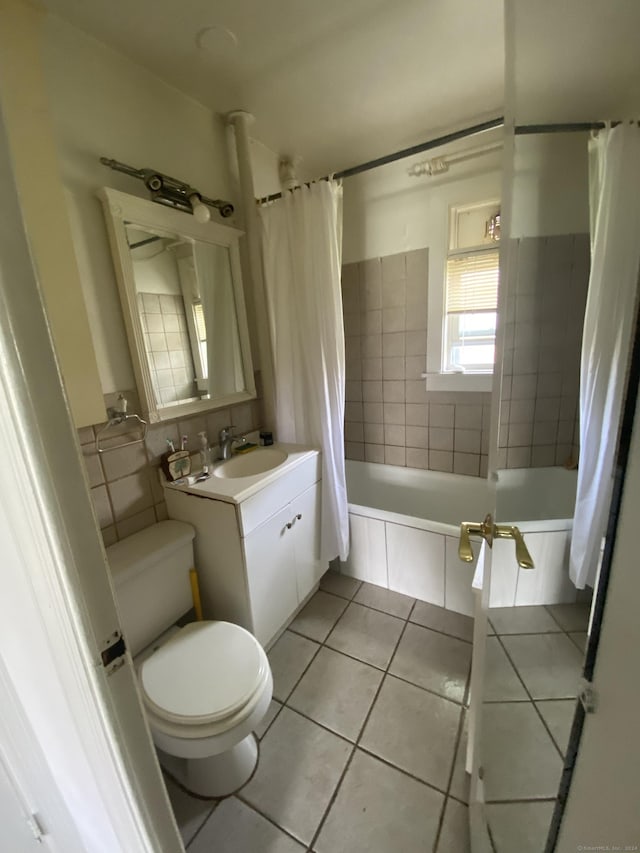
[
  {"x": 472, "y": 282},
  {"x": 199, "y": 318}
]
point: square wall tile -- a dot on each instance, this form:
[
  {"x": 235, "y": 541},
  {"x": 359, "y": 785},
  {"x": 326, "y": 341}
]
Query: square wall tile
[
  {"x": 101, "y": 506},
  {"x": 416, "y": 562},
  {"x": 417, "y": 457},
  {"x": 374, "y": 453},
  {"x": 394, "y": 455},
  {"x": 130, "y": 495}
]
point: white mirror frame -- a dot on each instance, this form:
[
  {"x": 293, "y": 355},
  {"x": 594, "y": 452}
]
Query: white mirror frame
[{"x": 121, "y": 208}]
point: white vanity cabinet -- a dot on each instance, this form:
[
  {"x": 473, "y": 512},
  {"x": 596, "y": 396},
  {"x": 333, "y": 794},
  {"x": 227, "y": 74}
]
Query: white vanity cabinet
[{"x": 258, "y": 560}]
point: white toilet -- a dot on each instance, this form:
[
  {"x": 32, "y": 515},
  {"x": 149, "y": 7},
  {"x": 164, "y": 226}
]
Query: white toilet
[{"x": 205, "y": 686}]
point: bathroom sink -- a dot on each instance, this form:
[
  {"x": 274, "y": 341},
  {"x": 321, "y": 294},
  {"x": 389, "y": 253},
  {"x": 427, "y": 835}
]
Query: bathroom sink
[{"x": 255, "y": 462}]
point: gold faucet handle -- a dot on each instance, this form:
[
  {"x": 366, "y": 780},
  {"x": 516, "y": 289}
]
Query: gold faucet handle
[
  {"x": 509, "y": 531},
  {"x": 465, "y": 552}
]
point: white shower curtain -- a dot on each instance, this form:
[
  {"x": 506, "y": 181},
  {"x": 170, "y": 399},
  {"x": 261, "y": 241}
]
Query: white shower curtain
[
  {"x": 302, "y": 240},
  {"x": 608, "y": 327}
]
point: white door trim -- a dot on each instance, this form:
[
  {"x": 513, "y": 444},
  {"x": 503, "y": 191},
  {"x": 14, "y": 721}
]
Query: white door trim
[{"x": 57, "y": 604}]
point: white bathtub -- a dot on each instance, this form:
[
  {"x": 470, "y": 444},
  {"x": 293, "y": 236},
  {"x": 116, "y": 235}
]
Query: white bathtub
[{"x": 405, "y": 524}]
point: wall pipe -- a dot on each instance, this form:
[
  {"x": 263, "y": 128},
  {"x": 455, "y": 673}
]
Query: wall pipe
[{"x": 240, "y": 121}]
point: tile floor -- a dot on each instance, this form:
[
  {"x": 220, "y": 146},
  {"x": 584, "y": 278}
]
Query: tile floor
[{"x": 363, "y": 746}]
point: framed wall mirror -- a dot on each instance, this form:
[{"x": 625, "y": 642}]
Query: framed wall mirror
[{"x": 181, "y": 291}]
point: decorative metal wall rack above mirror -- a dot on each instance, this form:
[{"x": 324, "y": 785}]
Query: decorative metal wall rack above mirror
[{"x": 181, "y": 292}]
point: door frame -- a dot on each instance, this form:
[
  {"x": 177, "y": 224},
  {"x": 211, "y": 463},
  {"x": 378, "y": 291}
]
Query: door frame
[{"x": 103, "y": 788}]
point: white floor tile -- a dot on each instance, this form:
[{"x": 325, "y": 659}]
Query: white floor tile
[
  {"x": 520, "y": 826},
  {"x": 288, "y": 660},
  {"x": 414, "y": 730},
  {"x": 454, "y": 835},
  {"x": 318, "y": 616},
  {"x": 339, "y": 584},
  {"x": 549, "y": 664},
  {"x": 434, "y": 661},
  {"x": 445, "y": 621},
  {"x": 580, "y": 638},
  {"x": 190, "y": 813},
  {"x": 366, "y": 634},
  {"x": 558, "y": 714},
  {"x": 501, "y": 683},
  {"x": 263, "y": 725},
  {"x": 571, "y": 617},
  {"x": 522, "y": 620},
  {"x": 299, "y": 768},
  {"x": 378, "y": 810},
  {"x": 385, "y": 599},
  {"x": 235, "y": 827},
  {"x": 337, "y": 692},
  {"x": 520, "y": 759}
]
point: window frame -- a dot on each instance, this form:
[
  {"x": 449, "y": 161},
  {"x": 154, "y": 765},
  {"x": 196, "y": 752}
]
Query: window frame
[{"x": 437, "y": 378}]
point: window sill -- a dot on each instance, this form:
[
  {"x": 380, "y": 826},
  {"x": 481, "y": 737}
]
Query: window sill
[{"x": 459, "y": 381}]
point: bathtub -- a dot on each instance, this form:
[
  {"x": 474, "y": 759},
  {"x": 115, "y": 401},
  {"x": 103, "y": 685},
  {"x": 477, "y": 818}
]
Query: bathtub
[{"x": 404, "y": 525}]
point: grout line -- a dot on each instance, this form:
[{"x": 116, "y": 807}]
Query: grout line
[
  {"x": 521, "y": 800},
  {"x": 532, "y": 700},
  {"x": 240, "y": 798},
  {"x": 357, "y": 741}
]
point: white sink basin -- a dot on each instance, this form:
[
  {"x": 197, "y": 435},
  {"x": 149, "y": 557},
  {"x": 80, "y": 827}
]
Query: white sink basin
[{"x": 255, "y": 462}]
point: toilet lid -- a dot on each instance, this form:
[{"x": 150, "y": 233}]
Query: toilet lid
[{"x": 206, "y": 672}]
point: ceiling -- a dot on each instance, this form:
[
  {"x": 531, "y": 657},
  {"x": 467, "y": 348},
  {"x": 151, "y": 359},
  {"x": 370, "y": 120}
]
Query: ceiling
[
  {"x": 572, "y": 66},
  {"x": 336, "y": 83}
]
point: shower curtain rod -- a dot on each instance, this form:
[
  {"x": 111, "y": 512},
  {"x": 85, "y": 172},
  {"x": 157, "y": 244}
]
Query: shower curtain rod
[
  {"x": 407, "y": 152},
  {"x": 491, "y": 124}
]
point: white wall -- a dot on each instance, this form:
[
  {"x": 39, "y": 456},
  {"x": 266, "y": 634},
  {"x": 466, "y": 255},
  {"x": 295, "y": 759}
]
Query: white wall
[
  {"x": 386, "y": 211},
  {"x": 104, "y": 105},
  {"x": 550, "y": 185}
]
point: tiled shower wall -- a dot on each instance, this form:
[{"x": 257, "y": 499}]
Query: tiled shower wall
[
  {"x": 543, "y": 337},
  {"x": 166, "y": 341},
  {"x": 124, "y": 485},
  {"x": 389, "y": 415}
]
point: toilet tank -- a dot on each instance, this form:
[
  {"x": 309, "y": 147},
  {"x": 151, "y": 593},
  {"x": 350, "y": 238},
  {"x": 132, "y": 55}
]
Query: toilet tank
[{"x": 150, "y": 572}]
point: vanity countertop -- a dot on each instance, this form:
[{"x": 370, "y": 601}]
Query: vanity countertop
[{"x": 237, "y": 489}]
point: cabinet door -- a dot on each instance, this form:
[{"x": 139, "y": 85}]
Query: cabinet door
[
  {"x": 271, "y": 575},
  {"x": 306, "y": 512}
]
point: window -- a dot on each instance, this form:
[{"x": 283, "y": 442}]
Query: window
[{"x": 471, "y": 289}]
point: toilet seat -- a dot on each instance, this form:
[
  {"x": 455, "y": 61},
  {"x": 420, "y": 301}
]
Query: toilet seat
[{"x": 203, "y": 680}]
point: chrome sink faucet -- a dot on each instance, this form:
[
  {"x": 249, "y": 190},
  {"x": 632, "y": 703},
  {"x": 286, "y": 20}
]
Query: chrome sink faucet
[{"x": 227, "y": 439}]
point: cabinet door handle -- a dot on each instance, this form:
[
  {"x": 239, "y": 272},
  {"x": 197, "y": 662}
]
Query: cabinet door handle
[{"x": 290, "y": 524}]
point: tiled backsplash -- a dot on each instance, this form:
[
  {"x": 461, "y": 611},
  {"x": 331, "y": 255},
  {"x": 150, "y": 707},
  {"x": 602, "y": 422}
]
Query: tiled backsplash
[
  {"x": 543, "y": 338},
  {"x": 389, "y": 415},
  {"x": 124, "y": 484}
]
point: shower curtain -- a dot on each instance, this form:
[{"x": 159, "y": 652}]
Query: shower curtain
[
  {"x": 301, "y": 243},
  {"x": 614, "y": 164}
]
